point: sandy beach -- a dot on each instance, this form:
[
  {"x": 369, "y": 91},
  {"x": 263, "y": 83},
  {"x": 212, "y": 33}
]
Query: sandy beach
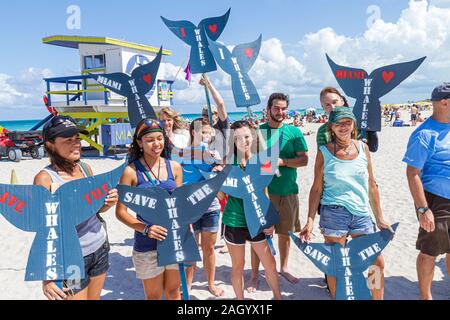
[{"x": 400, "y": 255}]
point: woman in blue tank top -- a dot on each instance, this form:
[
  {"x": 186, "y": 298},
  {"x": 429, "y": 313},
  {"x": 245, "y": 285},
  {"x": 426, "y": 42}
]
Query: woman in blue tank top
[
  {"x": 344, "y": 188},
  {"x": 63, "y": 145},
  {"x": 149, "y": 166}
]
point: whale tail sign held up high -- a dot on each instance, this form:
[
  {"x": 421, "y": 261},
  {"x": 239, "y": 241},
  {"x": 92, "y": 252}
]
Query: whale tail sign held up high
[
  {"x": 347, "y": 263},
  {"x": 56, "y": 253},
  {"x": 134, "y": 88},
  {"x": 201, "y": 59},
  {"x": 238, "y": 64},
  {"x": 367, "y": 89}
]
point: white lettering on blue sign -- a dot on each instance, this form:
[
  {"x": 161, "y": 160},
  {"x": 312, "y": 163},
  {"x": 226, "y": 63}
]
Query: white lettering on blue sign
[
  {"x": 241, "y": 78},
  {"x": 317, "y": 255},
  {"x": 51, "y": 220},
  {"x": 201, "y": 52},
  {"x": 365, "y": 111}
]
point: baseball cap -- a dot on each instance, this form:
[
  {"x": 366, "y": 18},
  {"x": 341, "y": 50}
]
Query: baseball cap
[
  {"x": 441, "y": 92},
  {"x": 61, "y": 127},
  {"x": 341, "y": 113}
]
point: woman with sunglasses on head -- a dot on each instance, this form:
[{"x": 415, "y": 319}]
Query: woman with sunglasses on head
[
  {"x": 195, "y": 159},
  {"x": 63, "y": 145},
  {"x": 149, "y": 166},
  {"x": 344, "y": 187},
  {"x": 244, "y": 143}
]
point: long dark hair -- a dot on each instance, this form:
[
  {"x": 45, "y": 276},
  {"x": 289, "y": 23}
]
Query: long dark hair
[
  {"x": 135, "y": 152},
  {"x": 56, "y": 160}
]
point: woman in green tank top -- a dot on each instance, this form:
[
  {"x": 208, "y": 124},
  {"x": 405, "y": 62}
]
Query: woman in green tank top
[{"x": 243, "y": 143}]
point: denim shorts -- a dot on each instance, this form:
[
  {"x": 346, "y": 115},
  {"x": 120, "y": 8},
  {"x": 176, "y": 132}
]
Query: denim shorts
[
  {"x": 95, "y": 265},
  {"x": 337, "y": 222},
  {"x": 209, "y": 222}
]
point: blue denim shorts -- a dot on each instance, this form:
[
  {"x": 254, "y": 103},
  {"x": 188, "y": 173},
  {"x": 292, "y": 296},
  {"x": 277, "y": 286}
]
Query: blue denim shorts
[
  {"x": 208, "y": 223},
  {"x": 95, "y": 265},
  {"x": 337, "y": 222}
]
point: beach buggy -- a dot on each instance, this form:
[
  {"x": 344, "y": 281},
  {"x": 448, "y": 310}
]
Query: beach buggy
[{"x": 15, "y": 144}]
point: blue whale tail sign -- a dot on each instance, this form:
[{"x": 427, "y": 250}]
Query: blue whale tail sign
[
  {"x": 347, "y": 263},
  {"x": 238, "y": 64},
  {"x": 134, "y": 88},
  {"x": 367, "y": 88},
  {"x": 56, "y": 251},
  {"x": 201, "y": 60}
]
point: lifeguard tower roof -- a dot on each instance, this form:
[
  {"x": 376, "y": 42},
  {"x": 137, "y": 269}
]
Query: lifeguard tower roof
[{"x": 75, "y": 41}]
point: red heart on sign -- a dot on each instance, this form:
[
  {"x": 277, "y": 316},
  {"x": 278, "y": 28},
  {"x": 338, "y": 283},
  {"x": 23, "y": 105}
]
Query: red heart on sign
[
  {"x": 213, "y": 28},
  {"x": 183, "y": 33},
  {"x": 267, "y": 167},
  {"x": 387, "y": 76},
  {"x": 249, "y": 52},
  {"x": 147, "y": 78}
]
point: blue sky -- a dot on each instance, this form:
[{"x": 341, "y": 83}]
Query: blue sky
[{"x": 283, "y": 23}]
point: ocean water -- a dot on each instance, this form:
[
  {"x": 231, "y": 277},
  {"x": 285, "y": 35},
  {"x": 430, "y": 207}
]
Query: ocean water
[{"x": 25, "y": 125}]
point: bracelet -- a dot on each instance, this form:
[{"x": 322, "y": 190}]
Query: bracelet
[{"x": 146, "y": 230}]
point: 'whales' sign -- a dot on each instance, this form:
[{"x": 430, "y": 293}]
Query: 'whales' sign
[
  {"x": 237, "y": 64},
  {"x": 348, "y": 263},
  {"x": 201, "y": 59},
  {"x": 250, "y": 186},
  {"x": 175, "y": 212},
  {"x": 367, "y": 89},
  {"x": 134, "y": 88},
  {"x": 56, "y": 250}
]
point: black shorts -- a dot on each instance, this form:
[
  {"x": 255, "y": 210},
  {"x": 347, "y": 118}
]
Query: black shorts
[
  {"x": 95, "y": 264},
  {"x": 238, "y": 236},
  {"x": 437, "y": 242}
]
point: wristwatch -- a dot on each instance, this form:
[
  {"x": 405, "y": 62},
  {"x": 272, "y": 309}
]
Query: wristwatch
[
  {"x": 146, "y": 230},
  {"x": 421, "y": 211}
]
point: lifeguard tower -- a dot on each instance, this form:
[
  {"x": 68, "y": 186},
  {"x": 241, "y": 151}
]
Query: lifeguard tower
[{"x": 90, "y": 103}]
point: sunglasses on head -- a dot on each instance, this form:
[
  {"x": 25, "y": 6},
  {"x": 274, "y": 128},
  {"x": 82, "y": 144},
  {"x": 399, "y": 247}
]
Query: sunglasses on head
[
  {"x": 149, "y": 124},
  {"x": 56, "y": 121}
]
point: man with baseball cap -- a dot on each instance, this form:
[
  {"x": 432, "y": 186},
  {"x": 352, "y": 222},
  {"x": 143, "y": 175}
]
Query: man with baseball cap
[{"x": 428, "y": 173}]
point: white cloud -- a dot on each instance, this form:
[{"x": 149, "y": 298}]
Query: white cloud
[{"x": 422, "y": 29}]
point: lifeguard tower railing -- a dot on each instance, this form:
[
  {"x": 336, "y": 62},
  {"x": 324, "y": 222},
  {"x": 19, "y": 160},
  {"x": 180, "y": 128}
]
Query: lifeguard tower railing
[{"x": 92, "y": 105}]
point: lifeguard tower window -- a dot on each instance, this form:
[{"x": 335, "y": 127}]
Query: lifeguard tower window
[{"x": 94, "y": 62}]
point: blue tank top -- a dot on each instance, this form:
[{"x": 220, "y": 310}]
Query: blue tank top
[
  {"x": 141, "y": 242},
  {"x": 346, "y": 182}
]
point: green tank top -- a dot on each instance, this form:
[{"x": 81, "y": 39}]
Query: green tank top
[{"x": 234, "y": 214}]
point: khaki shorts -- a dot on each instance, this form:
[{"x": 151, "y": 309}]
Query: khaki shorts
[
  {"x": 288, "y": 207},
  {"x": 437, "y": 242},
  {"x": 146, "y": 265}
]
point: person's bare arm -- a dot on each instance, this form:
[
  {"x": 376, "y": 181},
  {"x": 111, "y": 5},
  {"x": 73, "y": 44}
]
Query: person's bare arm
[
  {"x": 374, "y": 195},
  {"x": 301, "y": 160},
  {"x": 420, "y": 201},
  {"x": 222, "y": 112}
]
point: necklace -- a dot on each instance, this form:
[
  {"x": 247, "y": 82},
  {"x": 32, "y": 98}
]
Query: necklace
[
  {"x": 151, "y": 171},
  {"x": 347, "y": 149}
]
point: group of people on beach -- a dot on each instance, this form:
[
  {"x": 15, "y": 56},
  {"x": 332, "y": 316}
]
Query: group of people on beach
[{"x": 343, "y": 193}]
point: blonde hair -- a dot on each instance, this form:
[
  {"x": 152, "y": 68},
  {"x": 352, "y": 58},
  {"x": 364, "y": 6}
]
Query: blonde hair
[{"x": 175, "y": 116}]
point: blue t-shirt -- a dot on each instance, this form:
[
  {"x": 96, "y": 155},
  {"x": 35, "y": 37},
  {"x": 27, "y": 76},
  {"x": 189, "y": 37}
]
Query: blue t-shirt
[{"x": 429, "y": 151}]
